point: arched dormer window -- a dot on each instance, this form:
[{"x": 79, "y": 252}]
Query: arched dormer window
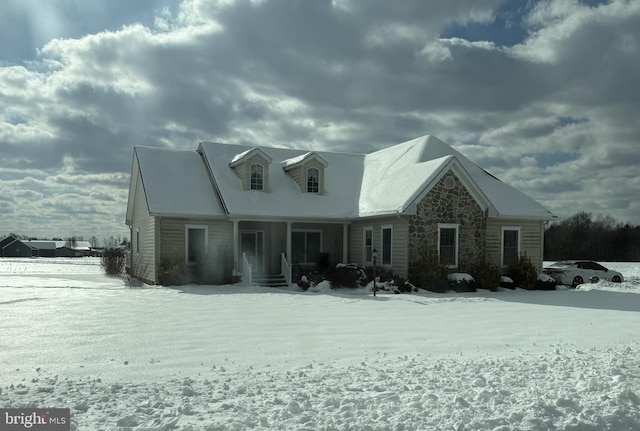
[
  {"x": 313, "y": 180},
  {"x": 257, "y": 177}
]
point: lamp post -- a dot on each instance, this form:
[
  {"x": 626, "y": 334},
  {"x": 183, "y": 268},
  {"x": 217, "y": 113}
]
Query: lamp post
[{"x": 374, "y": 255}]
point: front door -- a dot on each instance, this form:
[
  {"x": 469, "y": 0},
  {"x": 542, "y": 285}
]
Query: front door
[{"x": 251, "y": 245}]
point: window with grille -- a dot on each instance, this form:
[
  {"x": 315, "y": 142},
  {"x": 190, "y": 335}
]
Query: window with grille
[
  {"x": 510, "y": 245},
  {"x": 257, "y": 177},
  {"x": 448, "y": 245},
  {"x": 313, "y": 180}
]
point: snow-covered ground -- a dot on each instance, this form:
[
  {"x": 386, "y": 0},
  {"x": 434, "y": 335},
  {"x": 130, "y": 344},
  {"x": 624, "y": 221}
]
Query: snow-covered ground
[{"x": 130, "y": 356}]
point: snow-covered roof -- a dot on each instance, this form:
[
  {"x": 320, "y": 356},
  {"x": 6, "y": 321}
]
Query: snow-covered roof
[
  {"x": 283, "y": 197},
  {"x": 177, "y": 183},
  {"x": 45, "y": 244},
  {"x": 303, "y": 158},
  {"x": 386, "y": 182},
  {"x": 239, "y": 158},
  {"x": 395, "y": 176},
  {"x": 54, "y": 244}
]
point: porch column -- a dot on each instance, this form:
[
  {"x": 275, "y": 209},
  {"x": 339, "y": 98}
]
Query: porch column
[
  {"x": 345, "y": 243},
  {"x": 236, "y": 242},
  {"x": 289, "y": 242}
]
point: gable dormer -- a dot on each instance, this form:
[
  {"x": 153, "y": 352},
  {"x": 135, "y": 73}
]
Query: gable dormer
[
  {"x": 252, "y": 167},
  {"x": 307, "y": 171}
]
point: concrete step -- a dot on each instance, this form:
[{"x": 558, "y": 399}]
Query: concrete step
[{"x": 269, "y": 280}]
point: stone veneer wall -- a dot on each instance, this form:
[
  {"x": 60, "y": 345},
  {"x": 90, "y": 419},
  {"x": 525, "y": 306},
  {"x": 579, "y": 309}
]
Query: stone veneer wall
[{"x": 452, "y": 205}]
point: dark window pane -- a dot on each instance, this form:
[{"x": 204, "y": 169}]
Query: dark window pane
[
  {"x": 297, "y": 246},
  {"x": 386, "y": 246},
  {"x": 313, "y": 246},
  {"x": 448, "y": 246},
  {"x": 509, "y": 247},
  {"x": 195, "y": 244}
]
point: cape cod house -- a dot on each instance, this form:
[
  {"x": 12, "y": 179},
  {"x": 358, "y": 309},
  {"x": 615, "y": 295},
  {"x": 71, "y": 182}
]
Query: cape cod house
[{"x": 269, "y": 208}]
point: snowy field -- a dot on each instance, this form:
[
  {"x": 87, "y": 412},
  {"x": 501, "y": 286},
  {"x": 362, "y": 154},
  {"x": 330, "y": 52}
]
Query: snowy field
[{"x": 137, "y": 357}]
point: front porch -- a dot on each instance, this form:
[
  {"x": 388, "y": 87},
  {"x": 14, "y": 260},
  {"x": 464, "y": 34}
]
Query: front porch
[{"x": 270, "y": 248}]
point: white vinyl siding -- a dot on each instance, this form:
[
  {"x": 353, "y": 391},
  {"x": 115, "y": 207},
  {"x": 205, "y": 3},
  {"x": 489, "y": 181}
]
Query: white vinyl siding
[
  {"x": 174, "y": 241},
  {"x": 143, "y": 262},
  {"x": 531, "y": 237},
  {"x": 399, "y": 240}
]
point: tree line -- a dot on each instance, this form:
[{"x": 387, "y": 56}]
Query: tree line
[{"x": 583, "y": 236}]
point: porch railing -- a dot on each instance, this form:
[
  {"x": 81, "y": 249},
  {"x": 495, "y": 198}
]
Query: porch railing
[
  {"x": 247, "y": 271},
  {"x": 285, "y": 268}
]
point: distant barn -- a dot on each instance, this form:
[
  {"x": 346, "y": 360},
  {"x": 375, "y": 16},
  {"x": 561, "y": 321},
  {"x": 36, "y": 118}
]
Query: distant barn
[{"x": 14, "y": 247}]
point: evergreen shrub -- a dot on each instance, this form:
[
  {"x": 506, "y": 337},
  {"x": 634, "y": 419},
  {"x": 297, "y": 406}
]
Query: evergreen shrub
[
  {"x": 429, "y": 273},
  {"x": 487, "y": 276},
  {"x": 523, "y": 272}
]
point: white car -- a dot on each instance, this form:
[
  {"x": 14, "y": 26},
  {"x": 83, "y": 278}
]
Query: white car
[{"x": 575, "y": 272}]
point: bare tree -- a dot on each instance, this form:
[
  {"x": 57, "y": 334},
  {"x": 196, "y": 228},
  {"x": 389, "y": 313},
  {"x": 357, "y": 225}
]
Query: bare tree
[{"x": 71, "y": 242}]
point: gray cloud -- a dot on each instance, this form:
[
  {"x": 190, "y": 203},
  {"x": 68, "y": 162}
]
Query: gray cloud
[{"x": 554, "y": 115}]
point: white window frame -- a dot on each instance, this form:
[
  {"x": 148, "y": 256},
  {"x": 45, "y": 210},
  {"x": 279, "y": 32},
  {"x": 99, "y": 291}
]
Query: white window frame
[
  {"x": 261, "y": 176},
  {"x": 456, "y": 227},
  {"x": 518, "y": 251},
  {"x": 186, "y": 239},
  {"x": 317, "y": 180},
  {"x": 381, "y": 252},
  {"x": 366, "y": 229},
  {"x": 305, "y": 243}
]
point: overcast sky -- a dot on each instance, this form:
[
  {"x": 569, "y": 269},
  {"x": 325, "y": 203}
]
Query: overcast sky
[{"x": 545, "y": 95}]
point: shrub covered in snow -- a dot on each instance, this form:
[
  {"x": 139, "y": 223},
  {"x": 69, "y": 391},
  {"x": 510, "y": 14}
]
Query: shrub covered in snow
[
  {"x": 507, "y": 282},
  {"x": 545, "y": 282},
  {"x": 429, "y": 273},
  {"x": 346, "y": 275},
  {"x": 303, "y": 283},
  {"x": 523, "y": 272},
  {"x": 461, "y": 282},
  {"x": 386, "y": 279}
]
